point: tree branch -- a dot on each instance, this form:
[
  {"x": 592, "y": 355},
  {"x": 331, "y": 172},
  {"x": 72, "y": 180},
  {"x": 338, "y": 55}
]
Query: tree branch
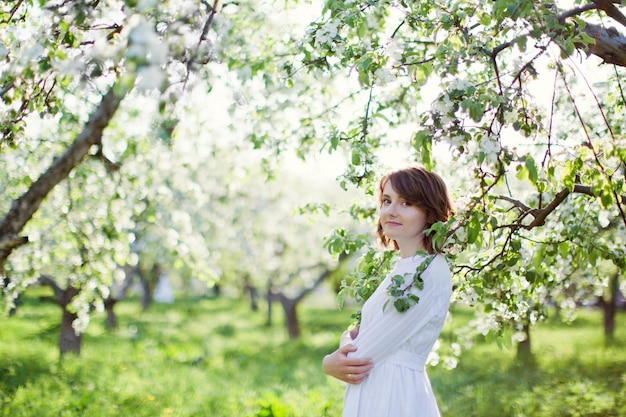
[
  {"x": 610, "y": 45},
  {"x": 50, "y": 282},
  {"x": 24, "y": 207},
  {"x": 11, "y": 242},
  {"x": 541, "y": 214},
  {"x": 611, "y": 11},
  {"x": 61, "y": 297}
]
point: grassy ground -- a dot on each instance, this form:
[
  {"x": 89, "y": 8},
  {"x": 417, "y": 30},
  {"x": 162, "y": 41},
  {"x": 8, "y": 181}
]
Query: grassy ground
[{"x": 213, "y": 357}]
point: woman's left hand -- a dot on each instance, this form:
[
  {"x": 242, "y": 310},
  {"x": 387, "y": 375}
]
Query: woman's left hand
[{"x": 345, "y": 368}]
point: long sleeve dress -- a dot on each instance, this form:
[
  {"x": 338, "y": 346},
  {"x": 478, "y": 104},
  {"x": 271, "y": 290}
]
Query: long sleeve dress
[{"x": 399, "y": 344}]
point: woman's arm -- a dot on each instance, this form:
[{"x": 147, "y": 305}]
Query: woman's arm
[
  {"x": 389, "y": 329},
  {"x": 344, "y": 368}
]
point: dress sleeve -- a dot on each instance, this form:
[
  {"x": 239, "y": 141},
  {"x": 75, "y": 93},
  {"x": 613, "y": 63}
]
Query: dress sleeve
[{"x": 389, "y": 329}]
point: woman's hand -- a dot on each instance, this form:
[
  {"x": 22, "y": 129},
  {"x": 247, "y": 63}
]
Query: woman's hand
[{"x": 351, "y": 370}]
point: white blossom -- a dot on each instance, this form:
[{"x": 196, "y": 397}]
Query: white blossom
[
  {"x": 143, "y": 5},
  {"x": 370, "y": 21},
  {"x": 459, "y": 84},
  {"x": 442, "y": 105},
  {"x": 384, "y": 75},
  {"x": 456, "y": 141},
  {"x": 32, "y": 53},
  {"x": 150, "y": 77},
  {"x": 510, "y": 116},
  {"x": 394, "y": 50},
  {"x": 144, "y": 43},
  {"x": 518, "y": 337},
  {"x": 603, "y": 218},
  {"x": 433, "y": 358},
  {"x": 489, "y": 145},
  {"x": 70, "y": 67},
  {"x": 326, "y": 33},
  {"x": 239, "y": 98},
  {"x": 450, "y": 363}
]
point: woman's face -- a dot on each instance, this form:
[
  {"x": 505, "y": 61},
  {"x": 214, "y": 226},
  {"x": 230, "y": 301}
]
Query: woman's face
[{"x": 402, "y": 221}]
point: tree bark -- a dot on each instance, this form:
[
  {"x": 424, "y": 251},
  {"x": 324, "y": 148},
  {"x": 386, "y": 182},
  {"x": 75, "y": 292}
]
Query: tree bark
[
  {"x": 118, "y": 295},
  {"x": 609, "y": 308},
  {"x": 610, "y": 45},
  {"x": 148, "y": 284},
  {"x": 524, "y": 352},
  {"x": 253, "y": 293},
  {"x": 270, "y": 299},
  {"x": 111, "y": 320},
  {"x": 290, "y": 307},
  {"x": 69, "y": 340}
]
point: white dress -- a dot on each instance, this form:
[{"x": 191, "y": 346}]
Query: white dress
[{"x": 398, "y": 344}]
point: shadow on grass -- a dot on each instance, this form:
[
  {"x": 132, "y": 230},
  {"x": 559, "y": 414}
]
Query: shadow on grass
[
  {"x": 489, "y": 382},
  {"x": 17, "y": 371}
]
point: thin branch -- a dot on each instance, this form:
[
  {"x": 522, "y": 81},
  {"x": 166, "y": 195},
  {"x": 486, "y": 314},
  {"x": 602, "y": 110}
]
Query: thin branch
[
  {"x": 6, "y": 89},
  {"x": 575, "y": 12},
  {"x": 320, "y": 278},
  {"x": 61, "y": 296},
  {"x": 599, "y": 105},
  {"x": 14, "y": 9},
  {"x": 393, "y": 35},
  {"x": 367, "y": 114},
  {"x": 552, "y": 111},
  {"x": 619, "y": 83},
  {"x": 50, "y": 282},
  {"x": 203, "y": 37}
]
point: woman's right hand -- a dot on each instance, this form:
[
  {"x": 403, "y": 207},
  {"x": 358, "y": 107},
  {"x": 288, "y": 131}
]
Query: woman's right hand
[{"x": 348, "y": 369}]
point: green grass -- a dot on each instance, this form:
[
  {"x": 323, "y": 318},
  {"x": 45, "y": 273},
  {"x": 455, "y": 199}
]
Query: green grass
[{"x": 213, "y": 357}]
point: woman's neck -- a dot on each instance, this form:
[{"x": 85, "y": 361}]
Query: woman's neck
[{"x": 410, "y": 248}]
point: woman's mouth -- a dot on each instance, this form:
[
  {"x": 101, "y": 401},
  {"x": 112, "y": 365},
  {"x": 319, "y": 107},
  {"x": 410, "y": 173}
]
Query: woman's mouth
[{"x": 392, "y": 224}]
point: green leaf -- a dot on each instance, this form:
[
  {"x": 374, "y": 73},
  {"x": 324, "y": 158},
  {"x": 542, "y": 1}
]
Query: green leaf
[
  {"x": 364, "y": 78},
  {"x": 422, "y": 142},
  {"x": 473, "y": 230},
  {"x": 476, "y": 111},
  {"x": 606, "y": 196},
  {"x": 532, "y": 169}
]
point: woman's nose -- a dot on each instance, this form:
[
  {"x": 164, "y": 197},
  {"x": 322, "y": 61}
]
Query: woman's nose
[{"x": 392, "y": 209}]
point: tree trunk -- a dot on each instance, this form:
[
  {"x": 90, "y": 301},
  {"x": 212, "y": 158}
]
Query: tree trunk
[
  {"x": 610, "y": 309},
  {"x": 270, "y": 299},
  {"x": 69, "y": 341},
  {"x": 290, "y": 305},
  {"x": 291, "y": 316},
  {"x": 111, "y": 320},
  {"x": 119, "y": 293},
  {"x": 147, "y": 285},
  {"x": 524, "y": 352},
  {"x": 253, "y": 293}
]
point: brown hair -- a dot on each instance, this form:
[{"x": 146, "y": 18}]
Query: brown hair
[{"x": 423, "y": 189}]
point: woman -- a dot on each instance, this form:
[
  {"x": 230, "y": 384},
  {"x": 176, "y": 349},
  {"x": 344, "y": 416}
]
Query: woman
[{"x": 384, "y": 360}]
